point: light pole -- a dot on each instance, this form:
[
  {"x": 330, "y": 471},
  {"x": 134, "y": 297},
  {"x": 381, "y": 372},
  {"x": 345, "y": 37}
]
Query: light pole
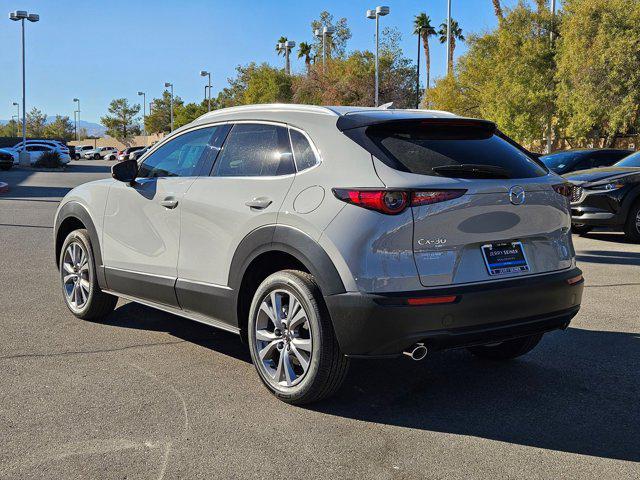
[
  {"x": 77, "y": 100},
  {"x": 375, "y": 15},
  {"x": 204, "y": 73},
  {"x": 287, "y": 47},
  {"x": 144, "y": 112},
  {"x": 17, "y": 105},
  {"x": 21, "y": 15},
  {"x": 167, "y": 85},
  {"x": 448, "y": 33},
  {"x": 324, "y": 33}
]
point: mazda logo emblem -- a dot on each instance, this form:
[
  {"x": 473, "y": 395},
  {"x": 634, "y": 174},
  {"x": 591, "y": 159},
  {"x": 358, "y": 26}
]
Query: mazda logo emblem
[{"x": 516, "y": 195}]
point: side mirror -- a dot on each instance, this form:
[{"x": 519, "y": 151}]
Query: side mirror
[{"x": 126, "y": 171}]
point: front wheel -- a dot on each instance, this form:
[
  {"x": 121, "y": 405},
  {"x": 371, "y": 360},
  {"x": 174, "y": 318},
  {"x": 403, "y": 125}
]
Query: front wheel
[
  {"x": 80, "y": 287},
  {"x": 632, "y": 226},
  {"x": 508, "y": 349},
  {"x": 291, "y": 339},
  {"x": 96, "y": 156}
]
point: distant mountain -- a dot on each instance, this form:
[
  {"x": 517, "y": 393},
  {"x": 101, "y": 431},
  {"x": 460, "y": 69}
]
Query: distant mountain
[{"x": 93, "y": 129}]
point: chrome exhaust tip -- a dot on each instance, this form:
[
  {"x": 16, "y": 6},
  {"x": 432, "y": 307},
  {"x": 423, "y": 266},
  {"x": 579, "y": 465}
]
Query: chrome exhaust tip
[{"x": 417, "y": 352}]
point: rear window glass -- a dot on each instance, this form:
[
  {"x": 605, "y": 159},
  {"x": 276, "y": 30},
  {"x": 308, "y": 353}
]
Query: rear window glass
[{"x": 429, "y": 149}]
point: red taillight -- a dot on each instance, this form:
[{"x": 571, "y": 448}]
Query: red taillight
[
  {"x": 393, "y": 202},
  {"x": 429, "y": 197},
  {"x": 563, "y": 189},
  {"x": 574, "y": 280},
  {"x": 432, "y": 300}
]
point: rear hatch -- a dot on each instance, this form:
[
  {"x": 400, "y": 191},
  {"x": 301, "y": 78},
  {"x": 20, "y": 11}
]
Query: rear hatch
[{"x": 504, "y": 215}]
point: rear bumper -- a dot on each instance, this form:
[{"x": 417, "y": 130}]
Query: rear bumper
[{"x": 384, "y": 325}]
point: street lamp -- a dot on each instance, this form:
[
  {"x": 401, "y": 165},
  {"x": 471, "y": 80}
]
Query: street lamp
[
  {"x": 287, "y": 47},
  {"x": 21, "y": 15},
  {"x": 144, "y": 112},
  {"x": 375, "y": 15},
  {"x": 324, "y": 33},
  {"x": 77, "y": 100},
  {"x": 17, "y": 105},
  {"x": 204, "y": 73},
  {"x": 167, "y": 85}
]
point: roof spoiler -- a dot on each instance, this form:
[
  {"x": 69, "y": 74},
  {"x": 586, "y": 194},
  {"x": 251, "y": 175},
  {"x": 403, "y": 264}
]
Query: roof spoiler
[{"x": 358, "y": 120}]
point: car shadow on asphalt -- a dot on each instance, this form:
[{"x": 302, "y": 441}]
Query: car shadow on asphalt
[
  {"x": 607, "y": 236},
  {"x": 609, "y": 257},
  {"x": 576, "y": 392}
]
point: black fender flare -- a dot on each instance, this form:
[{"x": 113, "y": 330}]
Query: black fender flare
[
  {"x": 78, "y": 211},
  {"x": 628, "y": 201},
  {"x": 284, "y": 238}
]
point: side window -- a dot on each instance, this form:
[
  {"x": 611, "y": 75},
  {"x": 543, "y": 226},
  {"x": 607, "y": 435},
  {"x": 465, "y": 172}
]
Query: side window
[
  {"x": 584, "y": 164},
  {"x": 179, "y": 157},
  {"x": 302, "y": 151},
  {"x": 253, "y": 150}
]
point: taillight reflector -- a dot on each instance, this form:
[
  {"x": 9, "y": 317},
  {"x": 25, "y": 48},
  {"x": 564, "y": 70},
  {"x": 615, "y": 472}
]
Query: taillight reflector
[
  {"x": 432, "y": 300},
  {"x": 574, "y": 280}
]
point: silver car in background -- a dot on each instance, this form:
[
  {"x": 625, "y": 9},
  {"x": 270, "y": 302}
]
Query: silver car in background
[{"x": 320, "y": 234}]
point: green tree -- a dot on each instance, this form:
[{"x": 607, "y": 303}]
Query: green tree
[
  {"x": 506, "y": 76},
  {"x": 36, "y": 121},
  {"x": 188, "y": 113},
  {"x": 11, "y": 129},
  {"x": 456, "y": 34},
  {"x": 268, "y": 85},
  {"x": 121, "y": 121},
  {"x": 280, "y": 50},
  {"x": 159, "y": 118},
  {"x": 497, "y": 9},
  {"x": 61, "y": 127},
  {"x": 336, "y": 43},
  {"x": 304, "y": 51},
  {"x": 422, "y": 27},
  {"x": 599, "y": 68}
]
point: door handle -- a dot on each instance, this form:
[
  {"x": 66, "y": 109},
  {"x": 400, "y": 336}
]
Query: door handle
[
  {"x": 260, "y": 203},
  {"x": 169, "y": 203}
]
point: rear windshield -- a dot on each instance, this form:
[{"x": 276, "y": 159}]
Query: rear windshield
[{"x": 428, "y": 149}]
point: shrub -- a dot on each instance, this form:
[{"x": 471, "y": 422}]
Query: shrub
[{"x": 49, "y": 160}]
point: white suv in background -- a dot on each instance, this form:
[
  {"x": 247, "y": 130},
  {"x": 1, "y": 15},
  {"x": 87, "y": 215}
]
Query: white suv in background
[
  {"x": 322, "y": 233},
  {"x": 36, "y": 150},
  {"x": 99, "y": 152}
]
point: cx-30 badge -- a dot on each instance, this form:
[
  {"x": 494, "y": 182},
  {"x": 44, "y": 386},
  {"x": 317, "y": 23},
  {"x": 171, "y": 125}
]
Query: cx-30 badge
[{"x": 516, "y": 195}]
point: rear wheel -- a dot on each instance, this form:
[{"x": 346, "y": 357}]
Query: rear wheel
[
  {"x": 632, "y": 226},
  {"x": 291, "y": 339},
  {"x": 508, "y": 349},
  {"x": 96, "y": 156},
  {"x": 80, "y": 287},
  {"x": 580, "y": 229}
]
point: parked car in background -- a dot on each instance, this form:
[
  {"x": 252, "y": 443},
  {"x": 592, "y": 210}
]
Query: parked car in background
[
  {"x": 6, "y": 159},
  {"x": 80, "y": 150},
  {"x": 607, "y": 197},
  {"x": 125, "y": 154},
  {"x": 37, "y": 149},
  {"x": 61, "y": 146},
  {"x": 572, "y": 160},
  {"x": 111, "y": 155},
  {"x": 99, "y": 152},
  {"x": 135, "y": 155},
  {"x": 322, "y": 233}
]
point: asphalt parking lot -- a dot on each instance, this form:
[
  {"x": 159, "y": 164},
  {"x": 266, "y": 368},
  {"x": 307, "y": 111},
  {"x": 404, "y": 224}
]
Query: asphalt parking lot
[{"x": 146, "y": 395}]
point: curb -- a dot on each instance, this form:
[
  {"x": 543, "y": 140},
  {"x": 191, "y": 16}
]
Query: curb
[{"x": 4, "y": 187}]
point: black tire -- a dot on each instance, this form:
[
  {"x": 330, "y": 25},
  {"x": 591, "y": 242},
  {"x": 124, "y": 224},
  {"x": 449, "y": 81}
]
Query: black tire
[
  {"x": 96, "y": 156},
  {"x": 327, "y": 366},
  {"x": 98, "y": 303},
  {"x": 581, "y": 229},
  {"x": 507, "y": 350},
  {"x": 632, "y": 225}
]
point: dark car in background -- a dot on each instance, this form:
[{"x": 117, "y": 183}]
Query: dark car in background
[
  {"x": 6, "y": 159},
  {"x": 573, "y": 160},
  {"x": 607, "y": 197}
]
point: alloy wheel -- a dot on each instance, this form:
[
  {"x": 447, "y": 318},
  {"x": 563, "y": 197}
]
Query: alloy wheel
[
  {"x": 283, "y": 338},
  {"x": 638, "y": 221},
  {"x": 75, "y": 275}
]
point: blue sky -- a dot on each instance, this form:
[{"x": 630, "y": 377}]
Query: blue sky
[{"x": 98, "y": 50}]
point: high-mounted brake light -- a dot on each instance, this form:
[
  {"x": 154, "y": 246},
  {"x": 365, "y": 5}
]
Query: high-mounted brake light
[
  {"x": 392, "y": 202},
  {"x": 564, "y": 189}
]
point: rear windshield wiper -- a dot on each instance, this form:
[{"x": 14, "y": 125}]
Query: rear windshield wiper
[{"x": 470, "y": 170}]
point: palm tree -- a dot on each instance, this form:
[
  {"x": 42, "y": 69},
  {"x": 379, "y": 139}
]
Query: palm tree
[
  {"x": 497, "y": 8},
  {"x": 456, "y": 34},
  {"x": 304, "y": 50},
  {"x": 278, "y": 49},
  {"x": 422, "y": 26}
]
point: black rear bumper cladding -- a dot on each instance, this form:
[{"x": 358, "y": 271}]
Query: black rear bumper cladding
[{"x": 376, "y": 325}]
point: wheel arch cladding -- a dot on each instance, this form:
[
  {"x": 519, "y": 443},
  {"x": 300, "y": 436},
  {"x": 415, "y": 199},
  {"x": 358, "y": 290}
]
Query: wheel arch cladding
[{"x": 72, "y": 216}]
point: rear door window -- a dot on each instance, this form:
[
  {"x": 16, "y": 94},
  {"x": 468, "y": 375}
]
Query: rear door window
[
  {"x": 255, "y": 150},
  {"x": 428, "y": 148}
]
